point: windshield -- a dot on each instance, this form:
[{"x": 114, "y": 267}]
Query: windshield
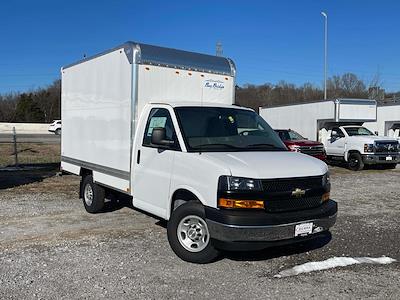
[
  {"x": 226, "y": 129},
  {"x": 289, "y": 135},
  {"x": 351, "y": 131}
]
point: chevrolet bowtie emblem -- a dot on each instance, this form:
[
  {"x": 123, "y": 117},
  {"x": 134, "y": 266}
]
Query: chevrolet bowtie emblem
[{"x": 298, "y": 193}]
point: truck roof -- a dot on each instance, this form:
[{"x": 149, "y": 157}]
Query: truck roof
[
  {"x": 201, "y": 104},
  {"x": 168, "y": 57}
]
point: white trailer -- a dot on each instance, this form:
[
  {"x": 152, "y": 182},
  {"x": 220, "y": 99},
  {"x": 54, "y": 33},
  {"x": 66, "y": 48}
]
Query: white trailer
[
  {"x": 337, "y": 124},
  {"x": 158, "y": 124}
]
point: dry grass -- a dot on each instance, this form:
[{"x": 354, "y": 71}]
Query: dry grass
[{"x": 29, "y": 153}]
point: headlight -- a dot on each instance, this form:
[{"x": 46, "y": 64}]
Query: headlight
[
  {"x": 231, "y": 183},
  {"x": 294, "y": 148},
  {"x": 368, "y": 147},
  {"x": 326, "y": 180}
]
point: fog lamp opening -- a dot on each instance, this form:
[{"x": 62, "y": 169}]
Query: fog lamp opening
[{"x": 326, "y": 196}]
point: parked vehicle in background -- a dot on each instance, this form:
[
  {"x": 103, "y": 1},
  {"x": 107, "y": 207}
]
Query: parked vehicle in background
[
  {"x": 55, "y": 127},
  {"x": 338, "y": 125},
  {"x": 297, "y": 143},
  {"x": 159, "y": 125},
  {"x": 359, "y": 146}
]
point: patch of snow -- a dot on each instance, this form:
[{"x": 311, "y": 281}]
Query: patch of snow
[{"x": 333, "y": 263}]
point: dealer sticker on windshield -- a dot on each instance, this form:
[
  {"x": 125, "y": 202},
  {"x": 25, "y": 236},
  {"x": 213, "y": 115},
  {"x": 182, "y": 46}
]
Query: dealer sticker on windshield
[{"x": 303, "y": 229}]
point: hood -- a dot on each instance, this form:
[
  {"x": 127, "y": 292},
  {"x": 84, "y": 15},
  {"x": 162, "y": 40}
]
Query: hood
[
  {"x": 370, "y": 139},
  {"x": 269, "y": 165},
  {"x": 302, "y": 143}
]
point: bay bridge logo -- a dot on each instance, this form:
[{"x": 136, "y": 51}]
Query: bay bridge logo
[{"x": 214, "y": 84}]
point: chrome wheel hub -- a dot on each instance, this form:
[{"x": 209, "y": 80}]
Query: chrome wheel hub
[
  {"x": 88, "y": 195},
  {"x": 193, "y": 233}
]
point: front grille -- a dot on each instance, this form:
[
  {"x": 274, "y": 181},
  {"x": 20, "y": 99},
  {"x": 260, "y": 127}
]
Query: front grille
[
  {"x": 291, "y": 204},
  {"x": 312, "y": 150},
  {"x": 279, "y": 198},
  {"x": 386, "y": 147},
  {"x": 290, "y": 184}
]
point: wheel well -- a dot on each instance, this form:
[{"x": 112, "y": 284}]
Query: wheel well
[
  {"x": 181, "y": 196},
  {"x": 85, "y": 172},
  {"x": 351, "y": 152}
]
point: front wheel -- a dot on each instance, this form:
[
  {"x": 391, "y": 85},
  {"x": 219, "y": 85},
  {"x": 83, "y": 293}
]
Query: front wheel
[
  {"x": 355, "y": 162},
  {"x": 188, "y": 234}
]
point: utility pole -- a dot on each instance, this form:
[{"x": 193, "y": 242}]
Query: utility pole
[
  {"x": 218, "y": 49},
  {"x": 325, "y": 52}
]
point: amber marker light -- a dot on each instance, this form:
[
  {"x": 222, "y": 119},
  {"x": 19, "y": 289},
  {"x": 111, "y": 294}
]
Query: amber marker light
[
  {"x": 325, "y": 197},
  {"x": 236, "y": 203}
]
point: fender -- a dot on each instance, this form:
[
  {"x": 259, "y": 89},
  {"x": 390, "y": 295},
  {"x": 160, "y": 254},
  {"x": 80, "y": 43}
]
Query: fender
[{"x": 182, "y": 187}]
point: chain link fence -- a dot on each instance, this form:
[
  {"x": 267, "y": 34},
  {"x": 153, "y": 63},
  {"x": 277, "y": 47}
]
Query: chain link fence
[{"x": 21, "y": 149}]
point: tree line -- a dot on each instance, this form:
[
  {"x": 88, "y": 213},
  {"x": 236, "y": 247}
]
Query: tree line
[
  {"x": 339, "y": 86},
  {"x": 43, "y": 105}
]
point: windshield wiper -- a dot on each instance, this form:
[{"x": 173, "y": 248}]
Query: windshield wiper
[
  {"x": 217, "y": 145},
  {"x": 265, "y": 145}
]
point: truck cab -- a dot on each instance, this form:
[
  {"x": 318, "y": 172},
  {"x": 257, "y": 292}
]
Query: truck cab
[
  {"x": 358, "y": 146},
  {"x": 224, "y": 180}
]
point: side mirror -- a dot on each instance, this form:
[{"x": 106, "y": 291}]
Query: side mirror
[{"x": 158, "y": 137}]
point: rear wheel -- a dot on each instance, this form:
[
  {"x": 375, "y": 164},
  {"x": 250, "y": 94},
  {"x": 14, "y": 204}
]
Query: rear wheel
[
  {"x": 188, "y": 234},
  {"x": 355, "y": 162},
  {"x": 58, "y": 131},
  {"x": 92, "y": 195}
]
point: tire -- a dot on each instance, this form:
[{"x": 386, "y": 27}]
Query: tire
[
  {"x": 355, "y": 162},
  {"x": 189, "y": 220},
  {"x": 92, "y": 195},
  {"x": 58, "y": 131}
]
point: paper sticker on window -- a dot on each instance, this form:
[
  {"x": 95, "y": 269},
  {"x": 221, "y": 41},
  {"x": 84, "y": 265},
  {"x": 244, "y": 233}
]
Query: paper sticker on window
[{"x": 156, "y": 122}]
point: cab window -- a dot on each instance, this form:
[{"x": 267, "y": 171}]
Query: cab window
[{"x": 160, "y": 117}]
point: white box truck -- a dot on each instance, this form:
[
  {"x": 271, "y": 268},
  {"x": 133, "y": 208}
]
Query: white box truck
[
  {"x": 158, "y": 124},
  {"x": 338, "y": 125}
]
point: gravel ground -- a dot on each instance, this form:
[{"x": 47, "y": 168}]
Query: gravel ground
[{"x": 50, "y": 248}]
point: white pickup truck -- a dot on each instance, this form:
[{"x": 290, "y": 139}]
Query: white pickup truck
[
  {"x": 158, "y": 124},
  {"x": 359, "y": 146}
]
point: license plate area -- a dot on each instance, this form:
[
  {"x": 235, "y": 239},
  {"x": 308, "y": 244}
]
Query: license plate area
[
  {"x": 303, "y": 229},
  {"x": 389, "y": 158}
]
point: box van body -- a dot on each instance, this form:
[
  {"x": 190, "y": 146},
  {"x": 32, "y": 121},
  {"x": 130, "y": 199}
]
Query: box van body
[{"x": 159, "y": 124}]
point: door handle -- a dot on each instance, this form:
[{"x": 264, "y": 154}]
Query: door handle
[{"x": 138, "y": 157}]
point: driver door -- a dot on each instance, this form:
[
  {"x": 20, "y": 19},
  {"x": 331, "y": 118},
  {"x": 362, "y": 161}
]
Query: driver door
[
  {"x": 336, "y": 142},
  {"x": 154, "y": 165}
]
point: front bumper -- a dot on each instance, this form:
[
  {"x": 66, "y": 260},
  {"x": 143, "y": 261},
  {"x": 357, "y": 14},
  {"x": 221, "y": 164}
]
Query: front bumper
[
  {"x": 260, "y": 226},
  {"x": 381, "y": 158}
]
